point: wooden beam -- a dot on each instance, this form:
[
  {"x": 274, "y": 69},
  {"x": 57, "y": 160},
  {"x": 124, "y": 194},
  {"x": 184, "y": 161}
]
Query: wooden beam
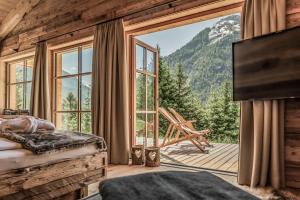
[
  {"x": 149, "y": 23},
  {"x": 54, "y": 18},
  {"x": 16, "y": 15}
]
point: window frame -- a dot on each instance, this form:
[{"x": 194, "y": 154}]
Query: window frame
[
  {"x": 147, "y": 74},
  {"x": 145, "y": 24},
  {"x": 79, "y": 75},
  {"x": 8, "y": 83}
]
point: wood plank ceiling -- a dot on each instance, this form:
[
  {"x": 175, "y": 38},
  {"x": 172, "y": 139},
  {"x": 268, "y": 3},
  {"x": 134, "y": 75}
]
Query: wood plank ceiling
[
  {"x": 5, "y": 7},
  {"x": 12, "y": 12}
]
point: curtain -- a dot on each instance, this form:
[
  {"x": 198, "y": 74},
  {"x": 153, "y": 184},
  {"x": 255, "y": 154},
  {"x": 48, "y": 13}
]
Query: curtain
[
  {"x": 40, "y": 98},
  {"x": 110, "y": 92},
  {"x": 261, "y": 159}
]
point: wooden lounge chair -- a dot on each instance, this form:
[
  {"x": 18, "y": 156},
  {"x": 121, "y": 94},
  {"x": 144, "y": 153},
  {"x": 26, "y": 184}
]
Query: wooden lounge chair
[
  {"x": 189, "y": 124},
  {"x": 182, "y": 132}
]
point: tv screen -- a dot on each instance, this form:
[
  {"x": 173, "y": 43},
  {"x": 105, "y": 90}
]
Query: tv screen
[{"x": 267, "y": 67}]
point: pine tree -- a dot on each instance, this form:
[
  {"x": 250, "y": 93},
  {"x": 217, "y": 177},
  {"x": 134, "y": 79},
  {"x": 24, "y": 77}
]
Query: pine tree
[
  {"x": 86, "y": 122},
  {"x": 70, "y": 120},
  {"x": 86, "y": 118},
  {"x": 222, "y": 115},
  {"x": 231, "y": 112},
  {"x": 175, "y": 92},
  {"x": 167, "y": 92},
  {"x": 19, "y": 87},
  {"x": 19, "y": 96},
  {"x": 70, "y": 102},
  {"x": 187, "y": 103}
]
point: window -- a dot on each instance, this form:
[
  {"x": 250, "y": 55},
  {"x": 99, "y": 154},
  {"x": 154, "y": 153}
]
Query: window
[
  {"x": 19, "y": 80},
  {"x": 146, "y": 86},
  {"x": 72, "y": 88}
]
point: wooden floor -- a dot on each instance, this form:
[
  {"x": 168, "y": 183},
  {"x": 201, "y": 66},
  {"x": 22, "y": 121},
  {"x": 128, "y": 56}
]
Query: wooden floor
[{"x": 220, "y": 157}]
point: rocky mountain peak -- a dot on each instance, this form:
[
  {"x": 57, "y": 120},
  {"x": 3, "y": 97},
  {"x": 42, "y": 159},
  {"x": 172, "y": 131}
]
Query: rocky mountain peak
[
  {"x": 224, "y": 27},
  {"x": 207, "y": 58}
]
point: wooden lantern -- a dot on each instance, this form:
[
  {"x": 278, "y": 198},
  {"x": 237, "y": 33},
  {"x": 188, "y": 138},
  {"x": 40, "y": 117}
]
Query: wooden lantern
[
  {"x": 137, "y": 154},
  {"x": 152, "y": 155}
]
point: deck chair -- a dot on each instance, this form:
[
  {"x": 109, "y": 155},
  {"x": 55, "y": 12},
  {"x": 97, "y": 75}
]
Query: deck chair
[
  {"x": 183, "y": 133},
  {"x": 189, "y": 124}
]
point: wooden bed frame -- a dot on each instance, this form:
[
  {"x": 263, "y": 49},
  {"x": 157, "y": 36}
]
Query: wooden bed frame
[{"x": 66, "y": 179}]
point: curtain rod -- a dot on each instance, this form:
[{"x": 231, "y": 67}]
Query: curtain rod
[{"x": 169, "y": 3}]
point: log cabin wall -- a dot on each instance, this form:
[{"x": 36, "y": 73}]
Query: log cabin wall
[
  {"x": 292, "y": 143},
  {"x": 292, "y": 115},
  {"x": 293, "y": 13},
  {"x": 51, "y": 18}
]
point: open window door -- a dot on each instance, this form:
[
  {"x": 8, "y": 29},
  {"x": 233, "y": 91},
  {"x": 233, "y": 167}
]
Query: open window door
[{"x": 145, "y": 94}]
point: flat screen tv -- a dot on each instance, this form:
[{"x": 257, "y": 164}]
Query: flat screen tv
[{"x": 267, "y": 67}]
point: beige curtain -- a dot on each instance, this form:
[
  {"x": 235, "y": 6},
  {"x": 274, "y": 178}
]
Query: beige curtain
[
  {"x": 110, "y": 92},
  {"x": 40, "y": 99},
  {"x": 261, "y": 160}
]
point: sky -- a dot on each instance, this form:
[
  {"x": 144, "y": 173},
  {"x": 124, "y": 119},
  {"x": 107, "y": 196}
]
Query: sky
[{"x": 172, "y": 39}]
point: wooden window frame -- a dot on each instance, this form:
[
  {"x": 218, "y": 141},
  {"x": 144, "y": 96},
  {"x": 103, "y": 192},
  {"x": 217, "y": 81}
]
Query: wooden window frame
[
  {"x": 145, "y": 24},
  {"x": 80, "y": 74},
  {"x": 8, "y": 84},
  {"x": 133, "y": 83}
]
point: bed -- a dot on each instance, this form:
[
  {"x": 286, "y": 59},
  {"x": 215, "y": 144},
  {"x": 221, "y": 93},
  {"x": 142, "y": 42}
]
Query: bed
[{"x": 61, "y": 174}]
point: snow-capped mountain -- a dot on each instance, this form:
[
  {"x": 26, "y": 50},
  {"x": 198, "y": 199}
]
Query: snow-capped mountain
[
  {"x": 207, "y": 58},
  {"x": 223, "y": 28}
]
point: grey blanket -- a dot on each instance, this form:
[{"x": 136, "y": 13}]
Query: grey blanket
[
  {"x": 172, "y": 185},
  {"x": 40, "y": 143}
]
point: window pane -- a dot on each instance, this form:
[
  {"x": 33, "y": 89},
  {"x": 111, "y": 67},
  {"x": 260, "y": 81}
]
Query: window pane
[
  {"x": 67, "y": 63},
  {"x": 139, "y": 57},
  {"x": 86, "y": 122},
  {"x": 17, "y": 72},
  {"x": 67, "y": 121},
  {"x": 150, "y": 129},
  {"x": 87, "y": 57},
  {"x": 151, "y": 93},
  {"x": 67, "y": 94},
  {"x": 140, "y": 128},
  {"x": 28, "y": 95},
  {"x": 16, "y": 96},
  {"x": 86, "y": 89},
  {"x": 29, "y": 68},
  {"x": 150, "y": 62},
  {"x": 140, "y": 91}
]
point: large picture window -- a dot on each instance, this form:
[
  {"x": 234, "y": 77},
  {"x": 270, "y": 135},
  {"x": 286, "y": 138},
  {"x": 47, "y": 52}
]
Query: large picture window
[
  {"x": 19, "y": 80},
  {"x": 72, "y": 88}
]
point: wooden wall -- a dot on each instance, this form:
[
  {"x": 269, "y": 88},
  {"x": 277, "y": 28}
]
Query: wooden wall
[
  {"x": 292, "y": 143},
  {"x": 293, "y": 13},
  {"x": 292, "y": 114},
  {"x": 56, "y": 17}
]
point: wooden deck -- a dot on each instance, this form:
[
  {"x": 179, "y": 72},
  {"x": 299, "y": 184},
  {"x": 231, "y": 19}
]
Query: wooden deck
[{"x": 220, "y": 157}]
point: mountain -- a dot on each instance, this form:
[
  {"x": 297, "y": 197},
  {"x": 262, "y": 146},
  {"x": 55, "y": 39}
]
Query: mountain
[
  {"x": 70, "y": 85},
  {"x": 207, "y": 58}
]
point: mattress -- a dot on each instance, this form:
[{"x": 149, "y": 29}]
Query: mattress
[{"x": 13, "y": 156}]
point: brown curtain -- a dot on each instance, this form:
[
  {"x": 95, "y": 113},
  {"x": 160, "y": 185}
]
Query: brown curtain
[
  {"x": 110, "y": 92},
  {"x": 40, "y": 99},
  {"x": 261, "y": 160}
]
